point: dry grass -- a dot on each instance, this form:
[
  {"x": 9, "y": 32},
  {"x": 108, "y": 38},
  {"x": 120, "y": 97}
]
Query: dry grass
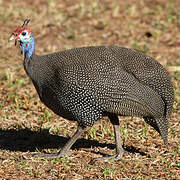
[{"x": 26, "y": 125}]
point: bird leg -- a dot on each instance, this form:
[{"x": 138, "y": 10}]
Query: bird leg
[
  {"x": 66, "y": 148},
  {"x": 119, "y": 149}
]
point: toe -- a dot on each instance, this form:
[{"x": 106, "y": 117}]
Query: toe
[
  {"x": 52, "y": 155},
  {"x": 46, "y": 155}
]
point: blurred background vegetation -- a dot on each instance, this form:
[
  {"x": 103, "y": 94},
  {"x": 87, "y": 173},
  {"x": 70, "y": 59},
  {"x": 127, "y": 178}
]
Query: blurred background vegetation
[{"x": 150, "y": 26}]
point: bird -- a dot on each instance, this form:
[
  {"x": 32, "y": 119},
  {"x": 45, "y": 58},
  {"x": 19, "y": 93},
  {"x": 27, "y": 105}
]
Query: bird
[{"x": 85, "y": 84}]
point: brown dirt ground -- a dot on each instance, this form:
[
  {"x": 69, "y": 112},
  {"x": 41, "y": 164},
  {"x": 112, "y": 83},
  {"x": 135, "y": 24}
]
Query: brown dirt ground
[{"x": 26, "y": 125}]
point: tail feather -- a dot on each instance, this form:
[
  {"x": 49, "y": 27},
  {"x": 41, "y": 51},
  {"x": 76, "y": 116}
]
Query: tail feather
[{"x": 160, "y": 125}]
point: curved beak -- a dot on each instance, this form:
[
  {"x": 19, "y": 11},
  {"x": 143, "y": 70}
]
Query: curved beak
[{"x": 12, "y": 38}]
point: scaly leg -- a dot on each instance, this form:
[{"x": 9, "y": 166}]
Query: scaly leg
[
  {"x": 66, "y": 148},
  {"x": 119, "y": 149}
]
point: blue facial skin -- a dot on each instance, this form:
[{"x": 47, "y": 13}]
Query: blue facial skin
[{"x": 27, "y": 47}]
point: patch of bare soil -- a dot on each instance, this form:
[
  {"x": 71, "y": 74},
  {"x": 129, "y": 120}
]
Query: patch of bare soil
[{"x": 27, "y": 126}]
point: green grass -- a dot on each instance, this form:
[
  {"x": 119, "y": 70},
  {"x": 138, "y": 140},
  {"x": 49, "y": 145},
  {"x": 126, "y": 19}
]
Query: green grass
[
  {"x": 27, "y": 125},
  {"x": 107, "y": 172}
]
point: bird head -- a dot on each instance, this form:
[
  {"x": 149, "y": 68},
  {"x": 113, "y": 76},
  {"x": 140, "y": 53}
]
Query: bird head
[{"x": 24, "y": 36}]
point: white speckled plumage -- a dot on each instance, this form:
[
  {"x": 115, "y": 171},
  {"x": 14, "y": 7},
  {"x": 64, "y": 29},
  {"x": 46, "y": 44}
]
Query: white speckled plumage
[
  {"x": 84, "y": 84},
  {"x": 89, "y": 81}
]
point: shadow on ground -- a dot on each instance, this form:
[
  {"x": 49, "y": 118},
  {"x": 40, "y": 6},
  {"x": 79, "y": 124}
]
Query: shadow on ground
[{"x": 27, "y": 140}]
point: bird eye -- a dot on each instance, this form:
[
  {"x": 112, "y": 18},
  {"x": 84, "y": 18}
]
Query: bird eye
[{"x": 23, "y": 33}]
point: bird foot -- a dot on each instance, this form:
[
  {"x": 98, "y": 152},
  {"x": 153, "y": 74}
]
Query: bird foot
[
  {"x": 52, "y": 155},
  {"x": 112, "y": 157}
]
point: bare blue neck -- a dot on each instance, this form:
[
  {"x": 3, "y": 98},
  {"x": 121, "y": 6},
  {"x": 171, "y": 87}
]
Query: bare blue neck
[{"x": 28, "y": 47}]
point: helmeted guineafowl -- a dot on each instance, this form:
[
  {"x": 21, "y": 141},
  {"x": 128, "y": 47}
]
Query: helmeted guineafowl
[{"x": 85, "y": 84}]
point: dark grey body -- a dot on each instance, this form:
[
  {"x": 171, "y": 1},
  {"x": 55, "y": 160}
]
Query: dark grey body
[{"x": 84, "y": 84}]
